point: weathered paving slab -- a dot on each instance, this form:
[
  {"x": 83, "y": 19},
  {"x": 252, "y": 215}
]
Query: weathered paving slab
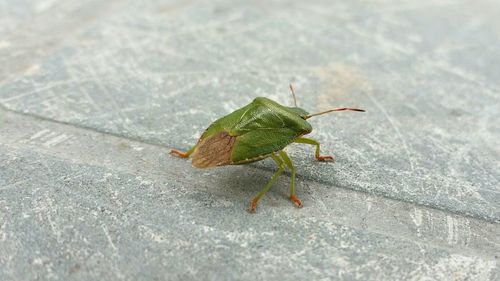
[
  {"x": 93, "y": 93},
  {"x": 79, "y": 204}
]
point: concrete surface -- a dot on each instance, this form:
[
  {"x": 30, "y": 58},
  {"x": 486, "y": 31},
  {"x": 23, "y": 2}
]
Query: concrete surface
[{"x": 94, "y": 93}]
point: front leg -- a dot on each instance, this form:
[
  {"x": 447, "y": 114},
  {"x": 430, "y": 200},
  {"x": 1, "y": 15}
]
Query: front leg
[{"x": 313, "y": 142}]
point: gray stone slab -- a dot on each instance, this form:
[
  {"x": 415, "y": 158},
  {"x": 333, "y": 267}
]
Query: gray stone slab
[
  {"x": 93, "y": 93},
  {"x": 163, "y": 72}
]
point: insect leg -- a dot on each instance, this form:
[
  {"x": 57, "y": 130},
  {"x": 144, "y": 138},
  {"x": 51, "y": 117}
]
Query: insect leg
[
  {"x": 182, "y": 154},
  {"x": 289, "y": 163},
  {"x": 313, "y": 142},
  {"x": 281, "y": 167}
]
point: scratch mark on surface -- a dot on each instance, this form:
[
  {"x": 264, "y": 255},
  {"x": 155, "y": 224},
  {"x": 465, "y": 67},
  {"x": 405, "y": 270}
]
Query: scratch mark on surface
[
  {"x": 39, "y": 134},
  {"x": 395, "y": 127},
  {"x": 452, "y": 230},
  {"x": 37, "y": 90},
  {"x": 53, "y": 227},
  {"x": 48, "y": 208},
  {"x": 417, "y": 219},
  {"x": 106, "y": 232},
  {"x": 157, "y": 237},
  {"x": 3, "y": 234},
  {"x": 57, "y": 140},
  {"x": 316, "y": 199},
  {"x": 48, "y": 136},
  {"x": 88, "y": 97}
]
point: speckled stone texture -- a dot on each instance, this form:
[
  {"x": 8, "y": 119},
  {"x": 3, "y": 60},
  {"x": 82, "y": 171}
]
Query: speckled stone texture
[{"x": 94, "y": 93}]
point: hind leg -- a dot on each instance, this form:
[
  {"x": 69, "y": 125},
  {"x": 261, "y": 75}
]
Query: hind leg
[
  {"x": 182, "y": 154},
  {"x": 281, "y": 167}
]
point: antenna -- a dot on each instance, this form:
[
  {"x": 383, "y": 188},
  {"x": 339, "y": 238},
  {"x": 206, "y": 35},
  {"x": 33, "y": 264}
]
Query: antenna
[
  {"x": 332, "y": 110},
  {"x": 293, "y": 94}
]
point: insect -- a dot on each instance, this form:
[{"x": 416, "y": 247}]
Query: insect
[{"x": 254, "y": 132}]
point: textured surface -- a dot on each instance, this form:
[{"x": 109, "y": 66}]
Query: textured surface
[{"x": 93, "y": 93}]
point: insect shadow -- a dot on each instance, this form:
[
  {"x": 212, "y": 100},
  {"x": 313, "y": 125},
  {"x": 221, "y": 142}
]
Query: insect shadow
[{"x": 236, "y": 182}]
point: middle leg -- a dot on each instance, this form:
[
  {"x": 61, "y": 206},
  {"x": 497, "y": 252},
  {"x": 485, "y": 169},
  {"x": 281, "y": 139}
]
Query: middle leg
[{"x": 289, "y": 163}]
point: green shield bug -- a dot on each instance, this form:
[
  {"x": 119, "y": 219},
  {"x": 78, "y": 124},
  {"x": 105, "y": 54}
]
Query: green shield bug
[{"x": 254, "y": 132}]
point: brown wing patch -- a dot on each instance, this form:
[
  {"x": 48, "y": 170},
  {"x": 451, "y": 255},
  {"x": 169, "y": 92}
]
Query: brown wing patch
[{"x": 214, "y": 151}]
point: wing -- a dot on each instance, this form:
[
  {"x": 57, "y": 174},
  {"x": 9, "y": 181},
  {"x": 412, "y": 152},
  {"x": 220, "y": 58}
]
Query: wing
[
  {"x": 261, "y": 113},
  {"x": 214, "y": 150},
  {"x": 258, "y": 144},
  {"x": 252, "y": 116},
  {"x": 256, "y": 116}
]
